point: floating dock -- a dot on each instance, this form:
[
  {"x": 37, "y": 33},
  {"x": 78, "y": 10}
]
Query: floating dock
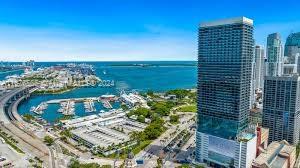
[
  {"x": 89, "y": 106},
  {"x": 39, "y": 109},
  {"x": 106, "y": 104},
  {"x": 67, "y": 108}
]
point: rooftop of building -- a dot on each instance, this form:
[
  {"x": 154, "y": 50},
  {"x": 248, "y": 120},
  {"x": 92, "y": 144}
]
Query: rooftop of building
[
  {"x": 255, "y": 110},
  {"x": 245, "y": 136},
  {"x": 293, "y": 39},
  {"x": 100, "y": 136},
  {"x": 276, "y": 155},
  {"x": 274, "y": 36},
  {"x": 227, "y": 21}
]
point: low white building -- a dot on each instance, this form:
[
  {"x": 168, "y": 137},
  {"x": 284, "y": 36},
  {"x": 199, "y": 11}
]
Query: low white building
[
  {"x": 133, "y": 99},
  {"x": 114, "y": 116}
]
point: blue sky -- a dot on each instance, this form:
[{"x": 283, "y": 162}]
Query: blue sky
[{"x": 113, "y": 30}]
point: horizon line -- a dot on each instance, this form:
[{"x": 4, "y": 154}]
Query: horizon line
[{"x": 111, "y": 61}]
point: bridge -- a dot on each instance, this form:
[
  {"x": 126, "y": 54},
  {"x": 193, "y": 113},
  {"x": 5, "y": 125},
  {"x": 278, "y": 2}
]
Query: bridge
[
  {"x": 12, "y": 122},
  {"x": 8, "y": 98}
]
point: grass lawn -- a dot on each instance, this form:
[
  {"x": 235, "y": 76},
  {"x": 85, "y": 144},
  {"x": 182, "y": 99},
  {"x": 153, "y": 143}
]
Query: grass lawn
[
  {"x": 188, "y": 108},
  {"x": 141, "y": 146}
]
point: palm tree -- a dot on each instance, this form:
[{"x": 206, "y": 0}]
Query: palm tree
[{"x": 135, "y": 136}]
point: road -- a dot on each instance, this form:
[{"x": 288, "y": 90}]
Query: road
[
  {"x": 154, "y": 150},
  {"x": 14, "y": 125}
]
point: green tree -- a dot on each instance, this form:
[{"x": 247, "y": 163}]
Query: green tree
[
  {"x": 161, "y": 109},
  {"x": 154, "y": 129},
  {"x": 174, "y": 119},
  {"x": 141, "y": 118},
  {"x": 140, "y": 111},
  {"x": 48, "y": 140},
  {"x": 184, "y": 166},
  {"x": 66, "y": 132},
  {"x": 180, "y": 93},
  {"x": 124, "y": 107},
  {"x": 150, "y": 93},
  {"x": 199, "y": 166},
  {"x": 28, "y": 117}
]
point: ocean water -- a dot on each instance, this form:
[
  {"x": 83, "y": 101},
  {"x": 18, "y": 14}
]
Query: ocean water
[
  {"x": 9, "y": 73},
  {"x": 159, "y": 77}
]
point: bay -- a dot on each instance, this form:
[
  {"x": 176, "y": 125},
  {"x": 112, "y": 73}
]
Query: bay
[{"x": 140, "y": 76}]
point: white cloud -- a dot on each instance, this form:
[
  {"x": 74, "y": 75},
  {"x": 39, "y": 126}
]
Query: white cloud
[{"x": 20, "y": 44}]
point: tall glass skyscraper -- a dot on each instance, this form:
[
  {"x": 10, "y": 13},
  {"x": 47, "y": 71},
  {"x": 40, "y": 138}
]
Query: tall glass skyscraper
[
  {"x": 274, "y": 65},
  {"x": 225, "y": 53},
  {"x": 292, "y": 45},
  {"x": 224, "y": 76}
]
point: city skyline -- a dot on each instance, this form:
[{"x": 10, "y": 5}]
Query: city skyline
[
  {"x": 97, "y": 84},
  {"x": 135, "y": 31}
]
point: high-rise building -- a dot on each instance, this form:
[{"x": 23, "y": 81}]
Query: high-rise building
[
  {"x": 258, "y": 66},
  {"x": 291, "y": 65},
  {"x": 281, "y": 108},
  {"x": 225, "y": 53},
  {"x": 292, "y": 45},
  {"x": 274, "y": 63},
  {"x": 259, "y": 63}
]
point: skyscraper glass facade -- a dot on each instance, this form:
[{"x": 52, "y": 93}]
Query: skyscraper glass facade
[
  {"x": 225, "y": 53},
  {"x": 274, "y": 55},
  {"x": 292, "y": 45}
]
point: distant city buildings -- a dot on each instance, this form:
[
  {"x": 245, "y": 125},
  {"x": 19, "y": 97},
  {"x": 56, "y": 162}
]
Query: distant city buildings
[
  {"x": 274, "y": 63},
  {"x": 281, "y": 108},
  {"x": 259, "y": 66},
  {"x": 292, "y": 45},
  {"x": 225, "y": 54},
  {"x": 258, "y": 72},
  {"x": 292, "y": 53}
]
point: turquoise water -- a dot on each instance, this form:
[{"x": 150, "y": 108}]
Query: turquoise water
[
  {"x": 4, "y": 74},
  {"x": 160, "y": 77}
]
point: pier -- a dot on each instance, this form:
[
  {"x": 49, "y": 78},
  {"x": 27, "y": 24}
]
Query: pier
[
  {"x": 40, "y": 108},
  {"x": 106, "y": 104},
  {"x": 56, "y": 101},
  {"x": 89, "y": 106},
  {"x": 67, "y": 108}
]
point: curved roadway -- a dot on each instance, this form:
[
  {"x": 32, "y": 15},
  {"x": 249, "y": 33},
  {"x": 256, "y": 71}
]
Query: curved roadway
[{"x": 14, "y": 123}]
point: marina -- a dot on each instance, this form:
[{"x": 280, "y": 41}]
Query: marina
[
  {"x": 156, "y": 78},
  {"x": 39, "y": 109},
  {"x": 89, "y": 106},
  {"x": 67, "y": 108},
  {"x": 106, "y": 104},
  {"x": 89, "y": 103}
]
